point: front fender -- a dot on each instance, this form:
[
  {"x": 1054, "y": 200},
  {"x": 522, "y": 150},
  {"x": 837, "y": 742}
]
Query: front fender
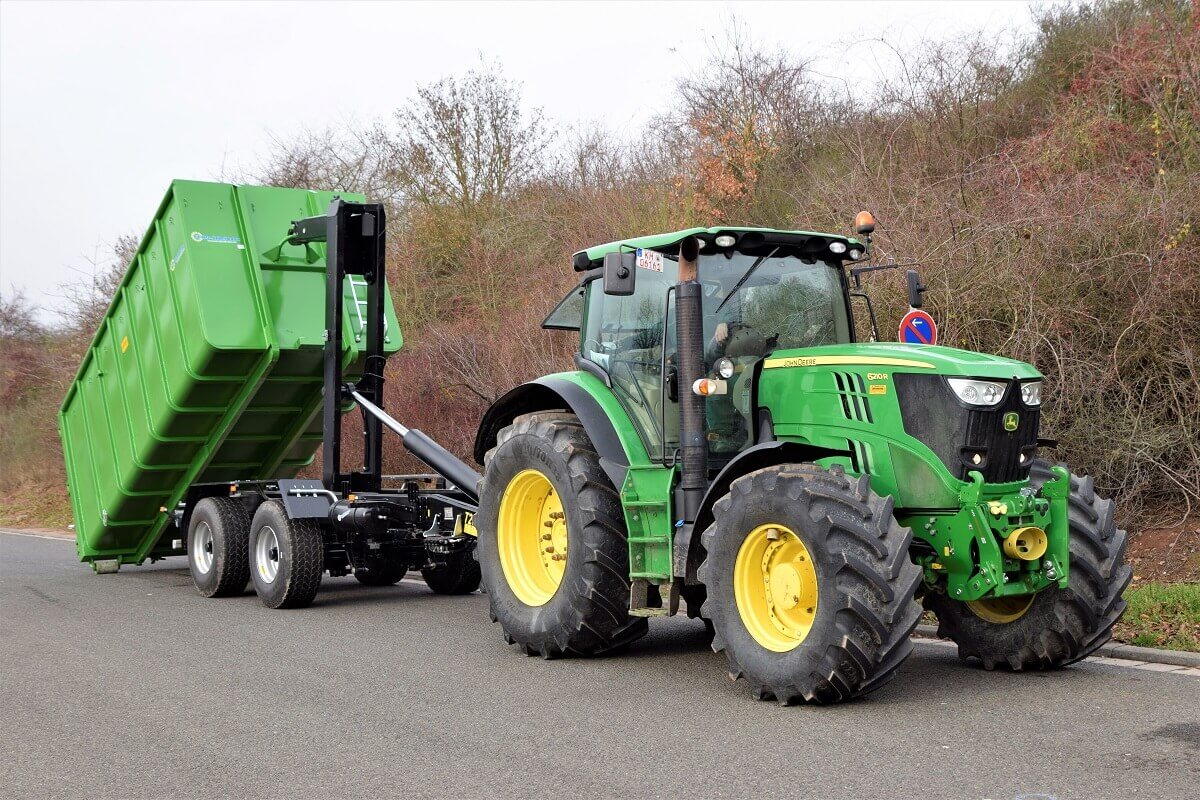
[
  {"x": 607, "y": 424},
  {"x": 760, "y": 456}
]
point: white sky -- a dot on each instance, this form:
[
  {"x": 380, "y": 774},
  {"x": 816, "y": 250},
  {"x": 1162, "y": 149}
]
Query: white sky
[{"x": 102, "y": 104}]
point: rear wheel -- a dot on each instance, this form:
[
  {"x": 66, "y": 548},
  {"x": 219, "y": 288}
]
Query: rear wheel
[
  {"x": 218, "y": 537},
  {"x": 552, "y": 541},
  {"x": 1056, "y": 626},
  {"x": 460, "y": 575},
  {"x": 810, "y": 587},
  {"x": 287, "y": 557}
]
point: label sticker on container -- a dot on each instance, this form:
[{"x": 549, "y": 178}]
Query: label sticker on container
[
  {"x": 650, "y": 259},
  {"x": 124, "y": 344},
  {"x": 197, "y": 236}
]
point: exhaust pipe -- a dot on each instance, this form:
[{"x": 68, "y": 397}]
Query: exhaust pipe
[{"x": 689, "y": 333}]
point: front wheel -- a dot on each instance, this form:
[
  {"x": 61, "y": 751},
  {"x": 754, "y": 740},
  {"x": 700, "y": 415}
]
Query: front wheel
[
  {"x": 810, "y": 587},
  {"x": 1056, "y": 626},
  {"x": 287, "y": 557}
]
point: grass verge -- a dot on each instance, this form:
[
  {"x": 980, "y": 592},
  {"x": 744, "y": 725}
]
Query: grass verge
[{"x": 1165, "y": 615}]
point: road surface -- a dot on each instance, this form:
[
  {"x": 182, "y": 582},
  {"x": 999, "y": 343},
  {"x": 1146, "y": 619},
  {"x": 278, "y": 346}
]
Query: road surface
[{"x": 133, "y": 686}]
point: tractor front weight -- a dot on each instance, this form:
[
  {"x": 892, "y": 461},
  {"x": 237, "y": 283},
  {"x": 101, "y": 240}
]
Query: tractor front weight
[{"x": 996, "y": 544}]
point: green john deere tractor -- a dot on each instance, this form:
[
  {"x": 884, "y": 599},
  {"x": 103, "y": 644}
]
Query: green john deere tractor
[{"x": 726, "y": 442}]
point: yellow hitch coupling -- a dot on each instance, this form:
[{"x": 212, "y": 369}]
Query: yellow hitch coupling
[{"x": 1027, "y": 544}]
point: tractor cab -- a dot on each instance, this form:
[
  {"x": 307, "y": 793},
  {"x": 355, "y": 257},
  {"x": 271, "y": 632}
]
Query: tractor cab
[{"x": 761, "y": 291}]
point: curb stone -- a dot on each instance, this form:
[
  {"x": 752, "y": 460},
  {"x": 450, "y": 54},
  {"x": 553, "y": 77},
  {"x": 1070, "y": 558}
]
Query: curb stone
[{"x": 1128, "y": 652}]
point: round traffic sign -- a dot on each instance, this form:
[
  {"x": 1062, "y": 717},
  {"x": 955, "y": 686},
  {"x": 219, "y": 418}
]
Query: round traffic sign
[{"x": 917, "y": 327}]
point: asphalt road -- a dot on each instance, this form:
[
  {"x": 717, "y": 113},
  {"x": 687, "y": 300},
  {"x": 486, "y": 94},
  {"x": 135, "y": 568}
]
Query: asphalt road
[{"x": 132, "y": 685}]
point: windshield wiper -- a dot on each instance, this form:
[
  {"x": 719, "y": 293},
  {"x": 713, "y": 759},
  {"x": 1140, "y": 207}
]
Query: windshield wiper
[{"x": 745, "y": 278}]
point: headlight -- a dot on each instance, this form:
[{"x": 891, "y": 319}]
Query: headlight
[
  {"x": 837, "y": 247},
  {"x": 977, "y": 393},
  {"x": 1031, "y": 393},
  {"x": 724, "y": 368}
]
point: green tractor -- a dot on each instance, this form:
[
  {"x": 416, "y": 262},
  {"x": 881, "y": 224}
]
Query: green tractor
[{"x": 726, "y": 442}]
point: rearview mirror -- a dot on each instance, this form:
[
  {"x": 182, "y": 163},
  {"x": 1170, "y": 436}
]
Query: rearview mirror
[
  {"x": 620, "y": 271},
  {"x": 915, "y": 289}
]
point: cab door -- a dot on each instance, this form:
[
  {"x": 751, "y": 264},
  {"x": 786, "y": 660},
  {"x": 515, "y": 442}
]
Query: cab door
[{"x": 632, "y": 338}]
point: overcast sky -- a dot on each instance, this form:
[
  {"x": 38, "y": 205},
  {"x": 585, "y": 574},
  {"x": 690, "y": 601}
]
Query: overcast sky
[{"x": 102, "y": 104}]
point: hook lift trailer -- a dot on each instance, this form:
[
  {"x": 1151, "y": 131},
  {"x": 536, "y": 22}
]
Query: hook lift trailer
[{"x": 284, "y": 534}]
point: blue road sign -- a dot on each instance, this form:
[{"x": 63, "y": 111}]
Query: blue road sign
[{"x": 917, "y": 327}]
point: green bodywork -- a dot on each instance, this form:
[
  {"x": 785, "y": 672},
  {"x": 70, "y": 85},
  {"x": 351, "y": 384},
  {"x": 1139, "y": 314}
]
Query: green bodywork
[
  {"x": 207, "y": 366},
  {"x": 841, "y": 397}
]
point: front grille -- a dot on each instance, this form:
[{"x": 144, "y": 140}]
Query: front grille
[{"x": 956, "y": 432}]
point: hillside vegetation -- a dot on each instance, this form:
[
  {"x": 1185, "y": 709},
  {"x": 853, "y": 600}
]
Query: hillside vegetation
[{"x": 1049, "y": 191}]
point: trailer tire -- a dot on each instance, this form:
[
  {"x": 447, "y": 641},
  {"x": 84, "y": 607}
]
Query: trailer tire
[
  {"x": 217, "y": 544},
  {"x": 1056, "y": 627},
  {"x": 580, "y": 608},
  {"x": 811, "y": 591},
  {"x": 381, "y": 572},
  {"x": 460, "y": 576},
  {"x": 287, "y": 557}
]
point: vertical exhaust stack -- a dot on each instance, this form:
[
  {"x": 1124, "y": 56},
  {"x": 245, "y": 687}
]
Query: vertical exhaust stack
[{"x": 689, "y": 333}]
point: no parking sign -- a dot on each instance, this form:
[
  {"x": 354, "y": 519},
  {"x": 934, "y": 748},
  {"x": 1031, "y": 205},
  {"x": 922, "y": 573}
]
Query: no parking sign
[{"x": 917, "y": 327}]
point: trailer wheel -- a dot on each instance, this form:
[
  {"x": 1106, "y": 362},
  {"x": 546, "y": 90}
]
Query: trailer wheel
[
  {"x": 569, "y": 593},
  {"x": 810, "y": 587},
  {"x": 1054, "y": 627},
  {"x": 381, "y": 572},
  {"x": 459, "y": 576},
  {"x": 287, "y": 557},
  {"x": 218, "y": 538}
]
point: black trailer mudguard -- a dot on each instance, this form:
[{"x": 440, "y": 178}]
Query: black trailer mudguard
[{"x": 556, "y": 394}]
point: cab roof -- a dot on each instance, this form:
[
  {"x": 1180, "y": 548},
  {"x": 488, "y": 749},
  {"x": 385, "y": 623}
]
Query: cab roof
[{"x": 752, "y": 241}]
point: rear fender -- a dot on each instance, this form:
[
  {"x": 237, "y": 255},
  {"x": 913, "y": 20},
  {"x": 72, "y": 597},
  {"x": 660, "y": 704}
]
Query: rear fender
[{"x": 606, "y": 423}]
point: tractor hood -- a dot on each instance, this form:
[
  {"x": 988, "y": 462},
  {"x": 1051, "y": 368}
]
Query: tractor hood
[{"x": 891, "y": 357}]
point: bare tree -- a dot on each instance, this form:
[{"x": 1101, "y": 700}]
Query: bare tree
[
  {"x": 466, "y": 141},
  {"x": 87, "y": 299}
]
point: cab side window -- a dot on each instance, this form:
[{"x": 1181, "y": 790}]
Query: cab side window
[{"x": 625, "y": 337}]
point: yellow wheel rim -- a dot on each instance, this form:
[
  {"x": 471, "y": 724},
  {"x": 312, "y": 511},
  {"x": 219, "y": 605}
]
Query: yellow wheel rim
[
  {"x": 775, "y": 587},
  {"x": 531, "y": 536},
  {"x": 1001, "y": 610}
]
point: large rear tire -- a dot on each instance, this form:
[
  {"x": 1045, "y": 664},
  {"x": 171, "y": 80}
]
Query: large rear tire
[
  {"x": 810, "y": 587},
  {"x": 218, "y": 538},
  {"x": 552, "y": 541},
  {"x": 1055, "y": 627},
  {"x": 287, "y": 557}
]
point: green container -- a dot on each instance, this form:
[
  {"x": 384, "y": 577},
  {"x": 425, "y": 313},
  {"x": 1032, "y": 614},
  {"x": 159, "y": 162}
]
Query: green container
[{"x": 207, "y": 366}]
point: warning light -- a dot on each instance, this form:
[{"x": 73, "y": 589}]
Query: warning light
[
  {"x": 706, "y": 387},
  {"x": 864, "y": 223}
]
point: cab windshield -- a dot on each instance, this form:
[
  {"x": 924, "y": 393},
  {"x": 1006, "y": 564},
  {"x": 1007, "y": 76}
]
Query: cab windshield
[{"x": 756, "y": 304}]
